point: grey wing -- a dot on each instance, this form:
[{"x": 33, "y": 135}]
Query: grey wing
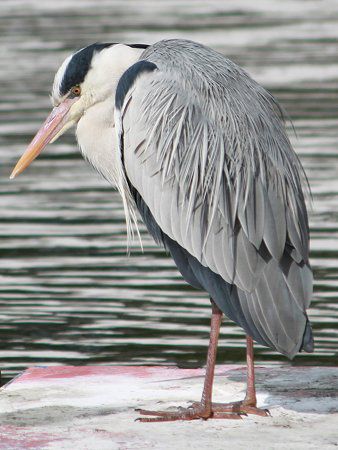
[{"x": 220, "y": 178}]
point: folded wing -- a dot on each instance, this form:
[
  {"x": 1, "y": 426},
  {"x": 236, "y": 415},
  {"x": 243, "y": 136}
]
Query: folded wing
[{"x": 209, "y": 156}]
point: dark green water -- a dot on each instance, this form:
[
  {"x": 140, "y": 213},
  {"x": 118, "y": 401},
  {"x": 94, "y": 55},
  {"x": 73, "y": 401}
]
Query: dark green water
[{"x": 68, "y": 293}]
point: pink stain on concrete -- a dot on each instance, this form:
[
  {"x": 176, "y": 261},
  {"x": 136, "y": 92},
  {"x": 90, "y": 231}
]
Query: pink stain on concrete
[
  {"x": 19, "y": 438},
  {"x": 48, "y": 373}
]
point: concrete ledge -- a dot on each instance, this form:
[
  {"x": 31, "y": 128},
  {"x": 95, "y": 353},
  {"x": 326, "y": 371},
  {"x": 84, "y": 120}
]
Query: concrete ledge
[{"x": 93, "y": 408}]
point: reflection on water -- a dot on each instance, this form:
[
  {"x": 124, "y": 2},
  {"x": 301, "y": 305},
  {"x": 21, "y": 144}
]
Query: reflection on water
[{"x": 69, "y": 294}]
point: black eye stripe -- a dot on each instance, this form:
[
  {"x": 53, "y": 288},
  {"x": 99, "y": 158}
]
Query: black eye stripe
[
  {"x": 80, "y": 63},
  {"x": 138, "y": 45},
  {"x": 78, "y": 67}
]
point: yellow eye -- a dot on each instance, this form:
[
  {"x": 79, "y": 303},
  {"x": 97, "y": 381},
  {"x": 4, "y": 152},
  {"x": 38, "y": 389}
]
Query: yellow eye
[{"x": 76, "y": 90}]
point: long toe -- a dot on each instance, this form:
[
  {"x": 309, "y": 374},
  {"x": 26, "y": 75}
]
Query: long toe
[
  {"x": 168, "y": 416},
  {"x": 239, "y": 408},
  {"x": 198, "y": 411}
]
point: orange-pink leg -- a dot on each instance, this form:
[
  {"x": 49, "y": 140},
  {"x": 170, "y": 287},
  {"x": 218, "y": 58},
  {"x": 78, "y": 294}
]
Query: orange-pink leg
[
  {"x": 205, "y": 409},
  {"x": 249, "y": 404}
]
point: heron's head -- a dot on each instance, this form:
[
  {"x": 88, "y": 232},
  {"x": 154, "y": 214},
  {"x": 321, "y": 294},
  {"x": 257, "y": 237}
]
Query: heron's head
[{"x": 84, "y": 79}]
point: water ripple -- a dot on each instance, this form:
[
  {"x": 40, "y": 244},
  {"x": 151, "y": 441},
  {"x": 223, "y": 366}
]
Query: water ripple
[{"x": 68, "y": 293}]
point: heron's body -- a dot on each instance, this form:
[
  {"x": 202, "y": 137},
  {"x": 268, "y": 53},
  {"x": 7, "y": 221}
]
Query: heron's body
[
  {"x": 200, "y": 149},
  {"x": 240, "y": 268}
]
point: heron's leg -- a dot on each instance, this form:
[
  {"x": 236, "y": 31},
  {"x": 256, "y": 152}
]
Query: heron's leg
[
  {"x": 216, "y": 320},
  {"x": 202, "y": 409},
  {"x": 249, "y": 404},
  {"x": 250, "y": 396}
]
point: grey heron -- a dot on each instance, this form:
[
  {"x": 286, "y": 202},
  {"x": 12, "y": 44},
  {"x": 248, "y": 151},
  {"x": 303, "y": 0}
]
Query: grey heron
[{"x": 200, "y": 150}]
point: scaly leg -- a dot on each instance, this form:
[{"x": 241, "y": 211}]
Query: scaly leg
[
  {"x": 249, "y": 404},
  {"x": 202, "y": 409}
]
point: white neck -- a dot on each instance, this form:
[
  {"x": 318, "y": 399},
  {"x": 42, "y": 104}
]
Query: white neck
[{"x": 95, "y": 130}]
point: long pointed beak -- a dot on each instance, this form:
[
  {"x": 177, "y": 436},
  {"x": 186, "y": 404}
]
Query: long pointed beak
[{"x": 51, "y": 127}]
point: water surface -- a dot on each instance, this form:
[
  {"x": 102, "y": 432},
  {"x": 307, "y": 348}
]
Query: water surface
[{"x": 68, "y": 293}]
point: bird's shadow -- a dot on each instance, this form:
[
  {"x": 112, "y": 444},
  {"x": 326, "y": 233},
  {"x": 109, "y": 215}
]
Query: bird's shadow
[{"x": 301, "y": 389}]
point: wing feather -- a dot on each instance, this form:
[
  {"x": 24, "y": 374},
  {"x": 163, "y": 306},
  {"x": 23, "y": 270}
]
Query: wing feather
[{"x": 209, "y": 155}]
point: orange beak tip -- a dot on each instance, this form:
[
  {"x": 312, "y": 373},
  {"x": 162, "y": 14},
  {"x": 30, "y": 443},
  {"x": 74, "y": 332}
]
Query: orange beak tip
[
  {"x": 15, "y": 172},
  {"x": 46, "y": 134}
]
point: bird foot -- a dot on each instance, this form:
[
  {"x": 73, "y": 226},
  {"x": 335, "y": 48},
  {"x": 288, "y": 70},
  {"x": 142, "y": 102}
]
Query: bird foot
[
  {"x": 240, "y": 408},
  {"x": 195, "y": 411}
]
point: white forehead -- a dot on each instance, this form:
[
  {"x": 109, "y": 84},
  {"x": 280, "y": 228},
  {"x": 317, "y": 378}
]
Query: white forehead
[{"x": 58, "y": 78}]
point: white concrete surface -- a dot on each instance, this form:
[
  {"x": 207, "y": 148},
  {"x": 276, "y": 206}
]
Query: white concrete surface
[{"x": 93, "y": 408}]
